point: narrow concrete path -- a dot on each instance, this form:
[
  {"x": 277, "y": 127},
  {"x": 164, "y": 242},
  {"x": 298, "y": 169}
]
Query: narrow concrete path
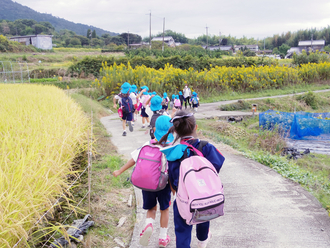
[{"x": 262, "y": 208}]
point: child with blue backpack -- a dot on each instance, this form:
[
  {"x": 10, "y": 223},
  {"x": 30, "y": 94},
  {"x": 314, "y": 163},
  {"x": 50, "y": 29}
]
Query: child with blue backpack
[
  {"x": 184, "y": 125},
  {"x": 126, "y": 106},
  {"x": 150, "y": 199},
  {"x": 195, "y": 101},
  {"x": 165, "y": 101}
]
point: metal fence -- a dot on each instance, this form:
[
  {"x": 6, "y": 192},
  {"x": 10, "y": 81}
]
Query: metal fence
[{"x": 14, "y": 72}]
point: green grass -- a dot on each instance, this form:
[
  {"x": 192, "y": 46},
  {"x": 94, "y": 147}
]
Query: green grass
[
  {"x": 309, "y": 102},
  {"x": 224, "y": 96},
  {"x": 311, "y": 171},
  {"x": 72, "y": 84},
  {"x": 114, "y": 163}
]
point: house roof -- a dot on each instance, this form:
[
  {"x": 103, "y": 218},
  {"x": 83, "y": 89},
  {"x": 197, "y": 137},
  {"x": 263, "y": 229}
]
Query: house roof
[
  {"x": 247, "y": 46},
  {"x": 223, "y": 48},
  {"x": 30, "y": 36},
  {"x": 309, "y": 43},
  {"x": 166, "y": 38}
]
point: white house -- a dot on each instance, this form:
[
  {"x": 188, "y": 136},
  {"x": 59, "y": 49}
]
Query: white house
[
  {"x": 307, "y": 45},
  {"x": 222, "y": 48},
  {"x": 39, "y": 41},
  {"x": 168, "y": 40},
  {"x": 311, "y": 44},
  {"x": 254, "y": 48}
]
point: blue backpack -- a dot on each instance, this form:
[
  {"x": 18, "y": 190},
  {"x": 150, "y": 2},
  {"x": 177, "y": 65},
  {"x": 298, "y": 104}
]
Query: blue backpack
[
  {"x": 194, "y": 100},
  {"x": 127, "y": 104}
]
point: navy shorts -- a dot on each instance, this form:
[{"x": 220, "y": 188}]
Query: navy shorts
[
  {"x": 143, "y": 112},
  {"x": 127, "y": 116},
  {"x": 165, "y": 107},
  {"x": 195, "y": 105},
  {"x": 163, "y": 197}
]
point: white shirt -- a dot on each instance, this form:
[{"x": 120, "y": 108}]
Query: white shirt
[
  {"x": 135, "y": 153},
  {"x": 186, "y": 92},
  {"x": 133, "y": 97}
]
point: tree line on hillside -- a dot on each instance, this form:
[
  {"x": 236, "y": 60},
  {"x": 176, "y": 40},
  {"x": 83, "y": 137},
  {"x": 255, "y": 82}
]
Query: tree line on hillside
[
  {"x": 66, "y": 38},
  {"x": 290, "y": 39},
  {"x": 11, "y": 11}
]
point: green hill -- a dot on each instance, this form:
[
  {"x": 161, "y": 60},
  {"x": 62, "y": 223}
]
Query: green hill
[{"x": 12, "y": 11}]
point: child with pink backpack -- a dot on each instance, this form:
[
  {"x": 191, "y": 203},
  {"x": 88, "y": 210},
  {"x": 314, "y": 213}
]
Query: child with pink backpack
[
  {"x": 153, "y": 181},
  {"x": 193, "y": 175},
  {"x": 177, "y": 102}
]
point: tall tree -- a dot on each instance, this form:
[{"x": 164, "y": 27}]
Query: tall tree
[
  {"x": 94, "y": 34},
  {"x": 89, "y": 34}
]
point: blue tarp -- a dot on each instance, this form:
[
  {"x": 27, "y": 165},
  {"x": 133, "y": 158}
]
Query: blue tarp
[{"x": 300, "y": 125}]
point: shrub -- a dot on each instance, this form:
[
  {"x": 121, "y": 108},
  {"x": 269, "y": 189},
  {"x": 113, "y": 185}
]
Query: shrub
[
  {"x": 310, "y": 99},
  {"x": 239, "y": 105},
  {"x": 268, "y": 140}
]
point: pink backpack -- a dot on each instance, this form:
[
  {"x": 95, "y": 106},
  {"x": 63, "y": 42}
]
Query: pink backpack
[
  {"x": 177, "y": 103},
  {"x": 150, "y": 172},
  {"x": 200, "y": 195}
]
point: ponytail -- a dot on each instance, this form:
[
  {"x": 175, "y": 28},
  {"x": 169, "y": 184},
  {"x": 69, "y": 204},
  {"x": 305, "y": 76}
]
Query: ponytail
[{"x": 163, "y": 140}]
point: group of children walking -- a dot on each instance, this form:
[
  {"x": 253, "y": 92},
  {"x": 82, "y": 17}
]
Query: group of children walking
[
  {"x": 174, "y": 139},
  {"x": 133, "y": 103}
]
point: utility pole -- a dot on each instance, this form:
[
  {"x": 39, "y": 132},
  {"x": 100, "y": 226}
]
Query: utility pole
[
  {"x": 150, "y": 32},
  {"x": 312, "y": 43},
  {"x": 207, "y": 41},
  {"x": 219, "y": 40},
  {"x": 264, "y": 43},
  {"x": 163, "y": 33},
  {"x": 128, "y": 40}
]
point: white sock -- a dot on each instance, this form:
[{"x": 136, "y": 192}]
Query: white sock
[
  {"x": 149, "y": 220},
  {"x": 124, "y": 130},
  {"x": 163, "y": 233}
]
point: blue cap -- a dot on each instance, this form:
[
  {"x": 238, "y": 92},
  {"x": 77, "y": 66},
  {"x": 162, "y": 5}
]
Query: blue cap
[
  {"x": 154, "y": 93},
  {"x": 133, "y": 88},
  {"x": 180, "y": 93},
  {"x": 165, "y": 95},
  {"x": 173, "y": 96},
  {"x": 146, "y": 92},
  {"x": 194, "y": 93},
  {"x": 177, "y": 96},
  {"x": 163, "y": 124},
  {"x": 156, "y": 103},
  {"x": 125, "y": 88}
]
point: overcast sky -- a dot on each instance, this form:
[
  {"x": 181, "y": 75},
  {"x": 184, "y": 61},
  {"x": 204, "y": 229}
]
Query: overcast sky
[{"x": 252, "y": 18}]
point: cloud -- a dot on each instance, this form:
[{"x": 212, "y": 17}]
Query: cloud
[{"x": 253, "y": 18}]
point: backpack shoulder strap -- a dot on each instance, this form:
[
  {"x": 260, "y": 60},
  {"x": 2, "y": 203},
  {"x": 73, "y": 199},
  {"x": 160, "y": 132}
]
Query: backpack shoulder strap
[
  {"x": 202, "y": 143},
  {"x": 197, "y": 151}
]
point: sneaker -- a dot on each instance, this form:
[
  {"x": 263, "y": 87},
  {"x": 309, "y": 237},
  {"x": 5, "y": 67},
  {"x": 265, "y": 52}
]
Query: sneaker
[
  {"x": 145, "y": 235},
  {"x": 130, "y": 126},
  {"x": 164, "y": 242},
  {"x": 149, "y": 126},
  {"x": 203, "y": 244},
  {"x": 124, "y": 133},
  {"x": 143, "y": 126}
]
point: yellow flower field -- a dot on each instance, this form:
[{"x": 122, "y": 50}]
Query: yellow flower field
[
  {"x": 240, "y": 79},
  {"x": 41, "y": 132}
]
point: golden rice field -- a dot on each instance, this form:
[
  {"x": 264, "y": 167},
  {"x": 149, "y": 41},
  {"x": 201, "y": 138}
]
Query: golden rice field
[
  {"x": 41, "y": 132},
  {"x": 240, "y": 79}
]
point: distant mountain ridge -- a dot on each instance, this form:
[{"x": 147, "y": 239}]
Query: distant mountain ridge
[{"x": 12, "y": 11}]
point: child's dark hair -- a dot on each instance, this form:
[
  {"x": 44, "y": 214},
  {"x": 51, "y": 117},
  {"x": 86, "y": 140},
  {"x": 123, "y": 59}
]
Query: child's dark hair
[{"x": 184, "y": 124}]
